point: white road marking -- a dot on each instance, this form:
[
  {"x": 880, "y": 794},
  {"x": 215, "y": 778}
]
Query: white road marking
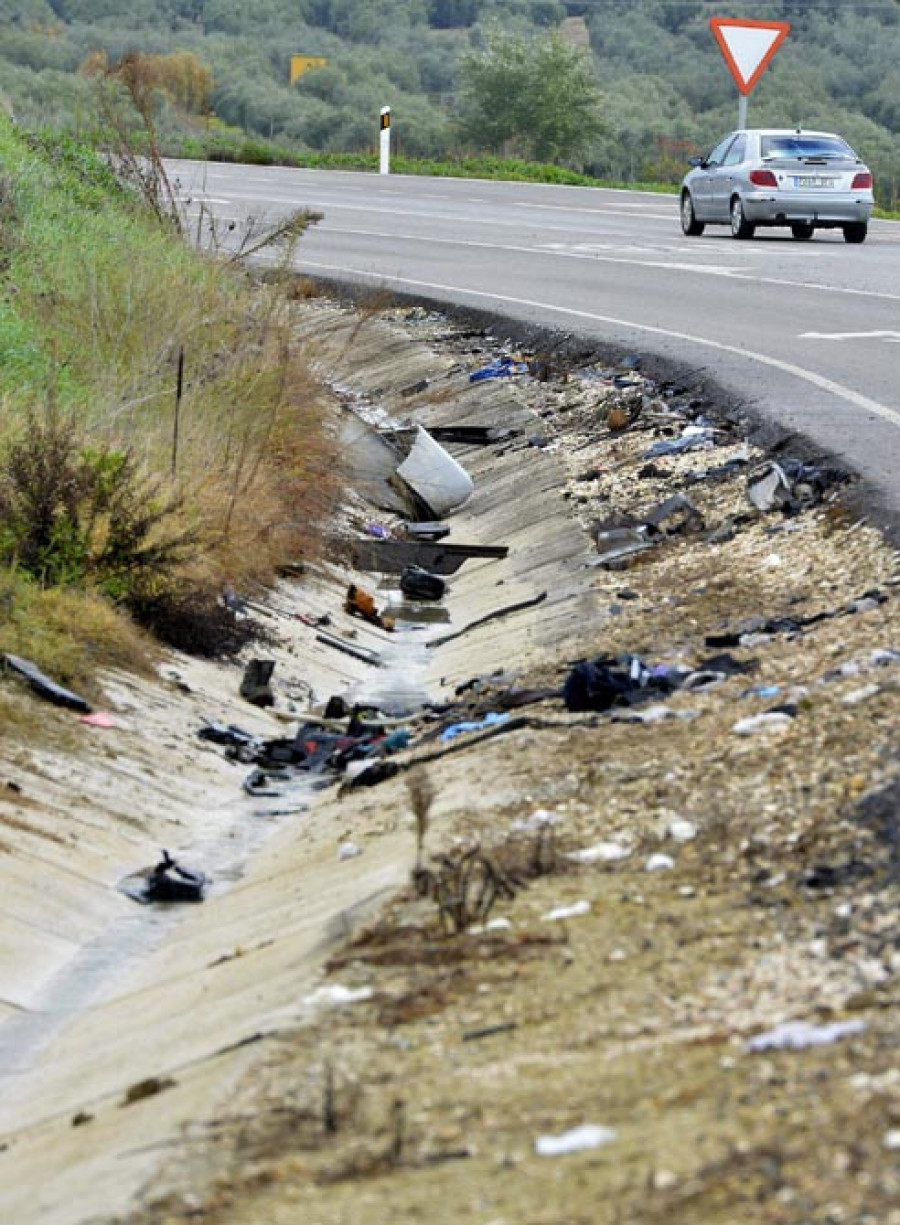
[
  {"x": 603, "y": 211},
  {"x": 855, "y": 398},
  {"x": 740, "y": 274},
  {"x": 891, "y": 337}
]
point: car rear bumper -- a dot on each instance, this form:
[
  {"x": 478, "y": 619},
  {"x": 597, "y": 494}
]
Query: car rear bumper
[{"x": 819, "y": 208}]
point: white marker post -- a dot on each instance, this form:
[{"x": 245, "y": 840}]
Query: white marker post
[
  {"x": 385, "y": 162},
  {"x": 748, "y": 47}
]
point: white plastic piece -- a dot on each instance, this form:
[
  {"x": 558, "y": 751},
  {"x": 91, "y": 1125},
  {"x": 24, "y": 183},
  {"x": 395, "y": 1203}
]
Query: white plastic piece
[
  {"x": 601, "y": 852},
  {"x": 348, "y": 850},
  {"x": 659, "y": 863},
  {"x": 855, "y": 696},
  {"x": 435, "y": 476},
  {"x": 769, "y": 721},
  {"x": 337, "y": 995},
  {"x": 798, "y": 1035},
  {"x": 574, "y": 911},
  {"x": 588, "y": 1135}
]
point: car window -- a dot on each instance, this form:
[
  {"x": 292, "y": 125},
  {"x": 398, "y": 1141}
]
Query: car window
[
  {"x": 736, "y": 153},
  {"x": 796, "y": 144},
  {"x": 715, "y": 158}
]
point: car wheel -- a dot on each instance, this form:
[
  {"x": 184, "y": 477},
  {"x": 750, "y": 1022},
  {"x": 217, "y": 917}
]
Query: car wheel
[
  {"x": 689, "y": 223},
  {"x": 802, "y": 230},
  {"x": 740, "y": 226},
  {"x": 856, "y": 231}
]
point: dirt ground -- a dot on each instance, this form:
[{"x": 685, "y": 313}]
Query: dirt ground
[{"x": 668, "y": 893}]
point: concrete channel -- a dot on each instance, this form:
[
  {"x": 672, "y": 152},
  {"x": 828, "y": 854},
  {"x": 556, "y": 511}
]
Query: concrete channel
[{"x": 122, "y": 1027}]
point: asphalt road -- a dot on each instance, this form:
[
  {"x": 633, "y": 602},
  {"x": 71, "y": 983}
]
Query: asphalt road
[{"x": 806, "y": 334}]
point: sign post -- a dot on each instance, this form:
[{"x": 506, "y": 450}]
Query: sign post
[
  {"x": 748, "y": 47},
  {"x": 385, "y": 159}
]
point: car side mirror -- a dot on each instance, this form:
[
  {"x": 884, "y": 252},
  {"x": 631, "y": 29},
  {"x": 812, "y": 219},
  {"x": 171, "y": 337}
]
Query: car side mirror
[{"x": 697, "y": 160}]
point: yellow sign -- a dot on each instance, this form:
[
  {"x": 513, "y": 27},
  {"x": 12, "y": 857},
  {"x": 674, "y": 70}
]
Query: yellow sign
[{"x": 303, "y": 63}]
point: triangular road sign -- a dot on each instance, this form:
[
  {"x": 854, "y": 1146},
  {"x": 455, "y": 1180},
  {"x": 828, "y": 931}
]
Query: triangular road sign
[{"x": 748, "y": 46}]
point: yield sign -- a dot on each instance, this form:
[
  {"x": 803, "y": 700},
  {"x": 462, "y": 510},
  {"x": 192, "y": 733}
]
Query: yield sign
[{"x": 748, "y": 46}]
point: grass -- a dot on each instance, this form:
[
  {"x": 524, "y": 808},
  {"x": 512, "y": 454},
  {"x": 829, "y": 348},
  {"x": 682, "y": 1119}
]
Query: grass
[
  {"x": 102, "y": 304},
  {"x": 68, "y": 633}
]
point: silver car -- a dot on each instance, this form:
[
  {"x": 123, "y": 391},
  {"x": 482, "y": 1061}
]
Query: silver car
[{"x": 770, "y": 176}]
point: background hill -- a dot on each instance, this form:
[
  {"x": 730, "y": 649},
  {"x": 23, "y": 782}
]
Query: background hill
[{"x": 665, "y": 90}]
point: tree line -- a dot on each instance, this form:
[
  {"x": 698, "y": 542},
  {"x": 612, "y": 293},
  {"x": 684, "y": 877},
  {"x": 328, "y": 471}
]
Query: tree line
[{"x": 619, "y": 90}]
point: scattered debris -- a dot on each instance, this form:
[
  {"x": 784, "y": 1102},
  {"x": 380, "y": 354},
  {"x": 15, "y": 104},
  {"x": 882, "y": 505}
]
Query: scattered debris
[
  {"x": 472, "y": 435},
  {"x": 601, "y": 852},
  {"x": 502, "y": 367},
  {"x": 100, "y": 718},
  {"x": 659, "y": 862},
  {"x": 434, "y": 476},
  {"x": 361, "y": 603},
  {"x": 143, "y": 1089},
  {"x": 519, "y": 606},
  {"x": 681, "y": 829},
  {"x": 350, "y": 648},
  {"x": 767, "y": 722},
  {"x": 167, "y": 881},
  {"x": 692, "y": 437},
  {"x": 489, "y": 1031},
  {"x": 419, "y": 584},
  {"x": 393, "y": 556},
  {"x": 575, "y": 911},
  {"x": 577, "y": 1140},
  {"x": 799, "y": 1035},
  {"x": 43, "y": 685},
  {"x": 256, "y": 685},
  {"x": 336, "y": 995}
]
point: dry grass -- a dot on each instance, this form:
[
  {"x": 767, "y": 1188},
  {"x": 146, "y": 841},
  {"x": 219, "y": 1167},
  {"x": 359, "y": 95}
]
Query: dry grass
[{"x": 69, "y": 634}]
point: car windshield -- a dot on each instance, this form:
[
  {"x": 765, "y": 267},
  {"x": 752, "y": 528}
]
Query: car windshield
[{"x": 793, "y": 144}]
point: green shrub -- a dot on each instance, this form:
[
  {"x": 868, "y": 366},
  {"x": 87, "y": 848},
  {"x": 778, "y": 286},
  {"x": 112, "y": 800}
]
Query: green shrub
[{"x": 77, "y": 515}]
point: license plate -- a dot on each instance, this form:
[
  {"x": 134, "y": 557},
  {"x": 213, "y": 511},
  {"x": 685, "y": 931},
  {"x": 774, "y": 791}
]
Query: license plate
[{"x": 812, "y": 180}]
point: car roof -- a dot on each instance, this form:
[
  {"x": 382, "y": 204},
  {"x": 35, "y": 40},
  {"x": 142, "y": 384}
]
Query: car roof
[{"x": 789, "y": 132}]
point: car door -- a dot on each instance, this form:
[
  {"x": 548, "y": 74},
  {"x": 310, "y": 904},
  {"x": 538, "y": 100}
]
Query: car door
[
  {"x": 703, "y": 178},
  {"x": 724, "y": 177}
]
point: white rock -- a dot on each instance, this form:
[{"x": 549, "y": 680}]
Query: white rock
[
  {"x": 891, "y": 1139},
  {"x": 575, "y": 911},
  {"x": 589, "y": 1135},
  {"x": 681, "y": 829},
  {"x": 348, "y": 850},
  {"x": 659, "y": 863}
]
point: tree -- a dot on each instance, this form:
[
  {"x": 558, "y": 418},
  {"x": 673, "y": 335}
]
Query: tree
[{"x": 536, "y": 97}]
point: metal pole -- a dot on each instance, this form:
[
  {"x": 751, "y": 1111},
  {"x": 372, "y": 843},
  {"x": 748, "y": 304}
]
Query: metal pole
[
  {"x": 385, "y": 160},
  {"x": 742, "y": 112}
]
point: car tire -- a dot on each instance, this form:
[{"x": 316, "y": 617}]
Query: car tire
[
  {"x": 740, "y": 226},
  {"x": 855, "y": 231},
  {"x": 802, "y": 230},
  {"x": 690, "y": 226}
]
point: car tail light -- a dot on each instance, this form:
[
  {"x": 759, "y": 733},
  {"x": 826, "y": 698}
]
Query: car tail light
[
  {"x": 763, "y": 178},
  {"x": 861, "y": 181}
]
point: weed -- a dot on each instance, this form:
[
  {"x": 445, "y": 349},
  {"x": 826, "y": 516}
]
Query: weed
[
  {"x": 151, "y": 400},
  {"x": 74, "y": 515},
  {"x": 421, "y": 797}
]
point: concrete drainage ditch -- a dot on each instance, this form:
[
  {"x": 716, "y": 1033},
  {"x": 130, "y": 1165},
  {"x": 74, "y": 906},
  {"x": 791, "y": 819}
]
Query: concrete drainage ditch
[{"x": 129, "y": 1029}]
